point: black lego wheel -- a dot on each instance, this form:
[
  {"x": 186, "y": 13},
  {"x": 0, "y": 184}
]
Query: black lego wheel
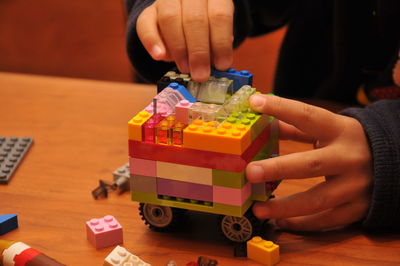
[{"x": 160, "y": 218}]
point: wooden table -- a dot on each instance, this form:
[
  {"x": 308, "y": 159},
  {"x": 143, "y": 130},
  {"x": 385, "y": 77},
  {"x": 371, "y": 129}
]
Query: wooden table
[{"x": 80, "y": 133}]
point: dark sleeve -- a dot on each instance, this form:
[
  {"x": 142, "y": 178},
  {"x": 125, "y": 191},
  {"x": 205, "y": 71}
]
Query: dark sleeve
[
  {"x": 381, "y": 122},
  {"x": 251, "y": 18}
]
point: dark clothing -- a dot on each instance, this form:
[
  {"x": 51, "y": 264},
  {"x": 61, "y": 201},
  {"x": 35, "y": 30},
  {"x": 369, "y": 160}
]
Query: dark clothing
[{"x": 331, "y": 48}]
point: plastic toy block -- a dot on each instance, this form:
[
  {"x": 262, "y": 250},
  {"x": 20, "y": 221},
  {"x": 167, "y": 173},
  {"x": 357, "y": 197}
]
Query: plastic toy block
[
  {"x": 122, "y": 171},
  {"x": 232, "y": 139},
  {"x": 228, "y": 178},
  {"x": 262, "y": 251},
  {"x": 182, "y": 111},
  {"x": 162, "y": 109},
  {"x": 232, "y": 196},
  {"x": 182, "y": 90},
  {"x": 122, "y": 257},
  {"x": 259, "y": 192},
  {"x": 186, "y": 173},
  {"x": 12, "y": 151},
  {"x": 181, "y": 155},
  {"x": 206, "y": 159},
  {"x": 104, "y": 232},
  {"x": 185, "y": 190},
  {"x": 8, "y": 223},
  {"x": 144, "y": 183},
  {"x": 205, "y": 261},
  {"x": 214, "y": 90},
  {"x": 142, "y": 167},
  {"x": 216, "y": 208},
  {"x": 135, "y": 125},
  {"x": 173, "y": 76},
  {"x": 239, "y": 78}
]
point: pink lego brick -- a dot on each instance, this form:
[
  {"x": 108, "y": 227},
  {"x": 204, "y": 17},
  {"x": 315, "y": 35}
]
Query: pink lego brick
[
  {"x": 142, "y": 167},
  {"x": 182, "y": 111},
  {"x": 232, "y": 196},
  {"x": 104, "y": 232},
  {"x": 184, "y": 190}
]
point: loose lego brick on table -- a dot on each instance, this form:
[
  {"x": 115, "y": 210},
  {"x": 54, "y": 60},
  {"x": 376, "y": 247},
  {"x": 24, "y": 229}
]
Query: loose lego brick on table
[
  {"x": 216, "y": 208},
  {"x": 232, "y": 139},
  {"x": 119, "y": 256},
  {"x": 232, "y": 196},
  {"x": 8, "y": 222},
  {"x": 135, "y": 125},
  {"x": 12, "y": 151},
  {"x": 185, "y": 190},
  {"x": 142, "y": 167},
  {"x": 186, "y": 173},
  {"x": 263, "y": 251},
  {"x": 144, "y": 183},
  {"x": 104, "y": 232}
]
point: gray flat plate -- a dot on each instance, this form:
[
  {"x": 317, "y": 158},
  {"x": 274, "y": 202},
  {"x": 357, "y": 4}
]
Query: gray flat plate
[{"x": 12, "y": 150}]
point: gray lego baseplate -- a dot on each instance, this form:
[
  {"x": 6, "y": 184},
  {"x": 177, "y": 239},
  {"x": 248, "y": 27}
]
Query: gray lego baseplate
[{"x": 12, "y": 150}]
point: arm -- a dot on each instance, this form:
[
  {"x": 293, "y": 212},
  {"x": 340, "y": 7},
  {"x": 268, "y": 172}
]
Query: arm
[
  {"x": 381, "y": 122},
  {"x": 250, "y": 18}
]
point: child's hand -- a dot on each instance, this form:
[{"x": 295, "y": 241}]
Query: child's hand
[
  {"x": 341, "y": 154},
  {"x": 189, "y": 32}
]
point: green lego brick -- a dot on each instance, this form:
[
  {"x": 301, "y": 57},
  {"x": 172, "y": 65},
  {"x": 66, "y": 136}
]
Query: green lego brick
[
  {"x": 259, "y": 125},
  {"x": 216, "y": 208},
  {"x": 260, "y": 196},
  {"x": 228, "y": 179}
]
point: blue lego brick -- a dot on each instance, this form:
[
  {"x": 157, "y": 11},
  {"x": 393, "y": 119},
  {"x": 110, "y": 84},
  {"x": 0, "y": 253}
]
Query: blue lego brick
[
  {"x": 8, "y": 222},
  {"x": 240, "y": 78},
  {"x": 182, "y": 90},
  {"x": 12, "y": 151}
]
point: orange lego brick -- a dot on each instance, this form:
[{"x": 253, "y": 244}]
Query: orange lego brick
[
  {"x": 263, "y": 251},
  {"x": 228, "y": 138},
  {"x": 135, "y": 125}
]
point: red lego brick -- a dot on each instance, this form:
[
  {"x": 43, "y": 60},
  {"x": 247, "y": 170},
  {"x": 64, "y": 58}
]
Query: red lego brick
[{"x": 206, "y": 159}]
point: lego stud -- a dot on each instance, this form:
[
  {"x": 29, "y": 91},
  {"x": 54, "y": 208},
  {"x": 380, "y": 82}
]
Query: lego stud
[
  {"x": 94, "y": 221},
  {"x": 108, "y": 218},
  {"x": 143, "y": 114},
  {"x": 244, "y": 72},
  {"x": 245, "y": 121},
  {"x": 231, "y": 70},
  {"x": 207, "y": 129},
  {"x": 137, "y": 120},
  {"x": 236, "y": 133},
  {"x": 221, "y": 131},
  {"x": 241, "y": 127},
  {"x": 227, "y": 125},
  {"x": 184, "y": 103},
  {"x": 99, "y": 228},
  {"x": 268, "y": 244},
  {"x": 250, "y": 116},
  {"x": 231, "y": 119},
  {"x": 193, "y": 127},
  {"x": 173, "y": 85},
  {"x": 257, "y": 239},
  {"x": 198, "y": 122}
]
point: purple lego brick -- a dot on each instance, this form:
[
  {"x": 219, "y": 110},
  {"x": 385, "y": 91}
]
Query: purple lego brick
[{"x": 184, "y": 190}]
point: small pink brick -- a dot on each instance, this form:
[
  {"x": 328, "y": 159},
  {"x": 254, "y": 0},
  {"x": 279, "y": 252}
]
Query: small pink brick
[
  {"x": 182, "y": 111},
  {"x": 104, "y": 232},
  {"x": 232, "y": 196},
  {"x": 142, "y": 167}
]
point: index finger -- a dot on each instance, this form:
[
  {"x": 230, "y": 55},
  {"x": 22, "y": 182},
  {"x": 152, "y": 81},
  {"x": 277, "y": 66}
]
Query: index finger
[{"x": 315, "y": 121}]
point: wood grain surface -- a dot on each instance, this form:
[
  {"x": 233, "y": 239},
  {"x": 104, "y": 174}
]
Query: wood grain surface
[{"x": 80, "y": 133}]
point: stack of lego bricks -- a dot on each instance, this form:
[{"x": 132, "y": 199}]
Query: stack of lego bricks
[{"x": 189, "y": 148}]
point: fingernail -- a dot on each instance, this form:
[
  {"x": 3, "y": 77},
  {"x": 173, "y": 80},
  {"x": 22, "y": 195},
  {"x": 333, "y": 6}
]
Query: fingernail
[
  {"x": 156, "y": 52},
  {"x": 255, "y": 174},
  {"x": 257, "y": 102}
]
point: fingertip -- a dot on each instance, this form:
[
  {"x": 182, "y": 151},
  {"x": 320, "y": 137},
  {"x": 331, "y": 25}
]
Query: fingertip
[
  {"x": 261, "y": 211},
  {"x": 157, "y": 52},
  {"x": 223, "y": 63},
  {"x": 255, "y": 173},
  {"x": 200, "y": 73},
  {"x": 257, "y": 102}
]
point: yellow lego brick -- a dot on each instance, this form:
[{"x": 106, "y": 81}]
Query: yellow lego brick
[
  {"x": 263, "y": 251},
  {"x": 227, "y": 138},
  {"x": 135, "y": 125}
]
